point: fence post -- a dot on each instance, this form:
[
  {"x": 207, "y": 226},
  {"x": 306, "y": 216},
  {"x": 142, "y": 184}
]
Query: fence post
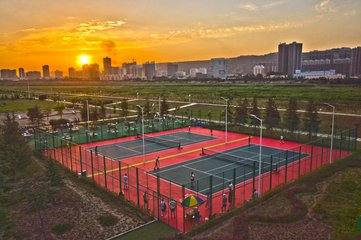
[
  {"x": 91, "y": 163},
  {"x": 120, "y": 177},
  {"x": 299, "y": 161},
  {"x": 61, "y": 152},
  {"x": 158, "y": 192},
  {"x": 340, "y": 146},
  {"x": 286, "y": 165},
  {"x": 210, "y": 197},
  {"x": 234, "y": 187},
  {"x": 254, "y": 177},
  {"x": 311, "y": 158},
  {"x": 270, "y": 173},
  {"x": 105, "y": 173},
  {"x": 184, "y": 213},
  {"x": 349, "y": 140},
  {"x": 321, "y": 151},
  {"x": 137, "y": 179},
  {"x": 356, "y": 134},
  {"x": 71, "y": 156},
  {"x": 81, "y": 160}
]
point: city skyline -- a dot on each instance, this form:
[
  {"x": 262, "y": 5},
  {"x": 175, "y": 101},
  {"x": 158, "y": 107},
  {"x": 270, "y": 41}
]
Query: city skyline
[{"x": 167, "y": 31}]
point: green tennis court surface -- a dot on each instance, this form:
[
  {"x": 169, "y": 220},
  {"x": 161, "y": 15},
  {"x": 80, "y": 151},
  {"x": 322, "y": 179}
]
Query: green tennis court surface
[
  {"x": 221, "y": 166},
  {"x": 127, "y": 149}
]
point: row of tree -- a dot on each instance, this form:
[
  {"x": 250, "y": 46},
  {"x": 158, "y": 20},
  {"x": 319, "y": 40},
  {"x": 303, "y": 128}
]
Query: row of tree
[{"x": 240, "y": 115}]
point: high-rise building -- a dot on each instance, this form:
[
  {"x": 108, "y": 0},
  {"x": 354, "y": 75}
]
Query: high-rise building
[
  {"x": 58, "y": 74},
  {"x": 33, "y": 75},
  {"x": 46, "y": 72},
  {"x": 8, "y": 74},
  {"x": 91, "y": 71},
  {"x": 289, "y": 58},
  {"x": 149, "y": 70},
  {"x": 219, "y": 68},
  {"x": 172, "y": 68},
  {"x": 355, "y": 70},
  {"x": 72, "y": 72},
  {"x": 21, "y": 73},
  {"x": 259, "y": 70},
  {"x": 107, "y": 65}
]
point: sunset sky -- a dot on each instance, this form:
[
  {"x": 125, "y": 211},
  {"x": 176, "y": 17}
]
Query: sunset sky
[{"x": 37, "y": 32}]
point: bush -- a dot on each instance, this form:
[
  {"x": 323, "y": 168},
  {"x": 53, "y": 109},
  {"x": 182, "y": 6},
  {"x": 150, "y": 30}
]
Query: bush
[
  {"x": 107, "y": 220},
  {"x": 60, "y": 229}
]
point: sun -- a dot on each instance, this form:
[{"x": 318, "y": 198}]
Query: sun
[{"x": 83, "y": 59}]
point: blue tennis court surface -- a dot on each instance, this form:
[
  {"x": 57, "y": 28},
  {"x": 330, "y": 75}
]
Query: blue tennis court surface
[
  {"x": 118, "y": 151},
  {"x": 221, "y": 166}
]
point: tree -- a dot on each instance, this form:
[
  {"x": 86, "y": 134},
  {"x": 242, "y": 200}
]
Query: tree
[
  {"x": 147, "y": 109},
  {"x": 241, "y": 112},
  {"x": 59, "y": 108},
  {"x": 103, "y": 110},
  {"x": 164, "y": 107},
  {"x": 272, "y": 118},
  {"x": 292, "y": 119},
  {"x": 124, "y": 107},
  {"x": 35, "y": 115},
  {"x": 255, "y": 111},
  {"x": 53, "y": 174},
  {"x": 15, "y": 154},
  {"x": 311, "y": 121}
]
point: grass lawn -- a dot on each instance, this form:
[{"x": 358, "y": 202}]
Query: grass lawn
[
  {"x": 23, "y": 105},
  {"x": 152, "y": 231}
]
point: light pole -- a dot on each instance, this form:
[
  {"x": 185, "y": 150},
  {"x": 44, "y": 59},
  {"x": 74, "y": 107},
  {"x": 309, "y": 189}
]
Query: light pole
[
  {"x": 159, "y": 105},
  {"x": 137, "y": 95},
  {"x": 87, "y": 114},
  {"x": 260, "y": 153},
  {"x": 333, "y": 127},
  {"x": 143, "y": 144},
  {"x": 226, "y": 133},
  {"x": 189, "y": 97}
]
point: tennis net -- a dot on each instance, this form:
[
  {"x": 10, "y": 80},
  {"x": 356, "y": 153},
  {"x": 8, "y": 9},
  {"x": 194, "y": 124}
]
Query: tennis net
[
  {"x": 238, "y": 160},
  {"x": 163, "y": 141}
]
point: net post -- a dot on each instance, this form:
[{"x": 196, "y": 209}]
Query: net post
[
  {"x": 299, "y": 161},
  {"x": 286, "y": 165},
  {"x": 137, "y": 182},
  {"x": 105, "y": 173},
  {"x": 92, "y": 163},
  {"x": 270, "y": 173},
  {"x": 80, "y": 160}
]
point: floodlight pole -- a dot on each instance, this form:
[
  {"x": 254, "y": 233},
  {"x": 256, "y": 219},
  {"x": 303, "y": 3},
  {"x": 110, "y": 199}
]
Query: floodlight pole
[
  {"x": 159, "y": 105},
  {"x": 333, "y": 127},
  {"x": 260, "y": 154},
  {"x": 143, "y": 143},
  {"x": 137, "y": 95},
  {"x": 87, "y": 114},
  {"x": 226, "y": 133},
  {"x": 189, "y": 97}
]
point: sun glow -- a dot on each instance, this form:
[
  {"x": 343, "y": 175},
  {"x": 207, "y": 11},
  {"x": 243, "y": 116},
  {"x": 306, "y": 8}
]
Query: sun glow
[{"x": 83, "y": 59}]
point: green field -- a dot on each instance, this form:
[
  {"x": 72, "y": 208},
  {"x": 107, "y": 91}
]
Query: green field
[
  {"x": 152, "y": 231},
  {"x": 22, "y": 105}
]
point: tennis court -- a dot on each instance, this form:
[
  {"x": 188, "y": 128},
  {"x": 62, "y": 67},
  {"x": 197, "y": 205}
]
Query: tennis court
[
  {"x": 239, "y": 164},
  {"x": 118, "y": 151}
]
